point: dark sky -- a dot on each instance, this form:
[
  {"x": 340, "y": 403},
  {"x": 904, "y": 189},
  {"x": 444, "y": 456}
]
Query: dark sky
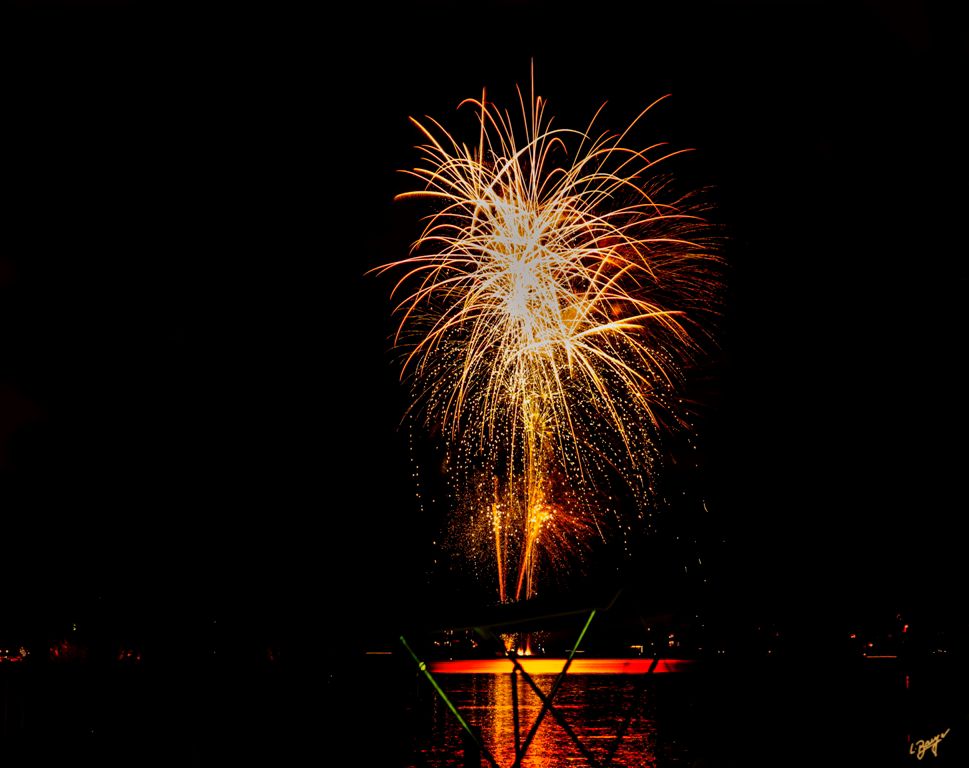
[{"x": 198, "y": 408}]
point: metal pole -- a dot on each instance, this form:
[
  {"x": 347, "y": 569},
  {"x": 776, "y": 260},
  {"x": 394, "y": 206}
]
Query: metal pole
[
  {"x": 621, "y": 732},
  {"x": 552, "y": 692},
  {"x": 440, "y": 692},
  {"x": 559, "y": 718},
  {"x": 514, "y": 709}
]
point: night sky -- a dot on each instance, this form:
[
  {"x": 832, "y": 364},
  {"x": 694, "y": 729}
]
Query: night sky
[{"x": 199, "y": 407}]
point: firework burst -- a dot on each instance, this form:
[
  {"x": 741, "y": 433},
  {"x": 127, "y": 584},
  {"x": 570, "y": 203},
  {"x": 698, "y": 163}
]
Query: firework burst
[{"x": 548, "y": 311}]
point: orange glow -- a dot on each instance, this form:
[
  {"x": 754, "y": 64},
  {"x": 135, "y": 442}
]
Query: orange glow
[{"x": 552, "y": 666}]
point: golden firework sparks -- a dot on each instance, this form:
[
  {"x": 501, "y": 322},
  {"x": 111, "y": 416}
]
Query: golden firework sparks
[{"x": 549, "y": 308}]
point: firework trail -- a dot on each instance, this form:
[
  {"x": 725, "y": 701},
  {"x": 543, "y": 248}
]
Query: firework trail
[{"x": 548, "y": 311}]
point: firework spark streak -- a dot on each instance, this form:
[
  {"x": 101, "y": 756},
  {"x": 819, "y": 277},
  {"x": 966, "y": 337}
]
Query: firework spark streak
[{"x": 549, "y": 309}]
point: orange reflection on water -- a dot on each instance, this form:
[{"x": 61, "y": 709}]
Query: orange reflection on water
[
  {"x": 593, "y": 707},
  {"x": 552, "y": 666},
  {"x": 597, "y": 699}
]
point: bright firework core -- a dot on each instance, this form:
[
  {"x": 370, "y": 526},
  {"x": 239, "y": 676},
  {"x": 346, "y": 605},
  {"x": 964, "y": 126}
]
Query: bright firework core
[{"x": 551, "y": 305}]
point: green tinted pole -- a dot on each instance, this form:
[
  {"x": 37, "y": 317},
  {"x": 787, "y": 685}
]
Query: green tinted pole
[
  {"x": 556, "y": 715},
  {"x": 440, "y": 692},
  {"x": 551, "y": 694}
]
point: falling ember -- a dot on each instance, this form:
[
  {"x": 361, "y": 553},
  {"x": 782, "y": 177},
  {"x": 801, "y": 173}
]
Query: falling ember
[{"x": 548, "y": 311}]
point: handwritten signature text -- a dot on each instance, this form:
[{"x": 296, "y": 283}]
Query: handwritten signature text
[{"x": 920, "y": 747}]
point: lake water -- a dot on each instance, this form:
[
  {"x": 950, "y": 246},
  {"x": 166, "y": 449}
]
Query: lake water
[
  {"x": 594, "y": 707},
  {"x": 357, "y": 712},
  {"x": 810, "y": 713}
]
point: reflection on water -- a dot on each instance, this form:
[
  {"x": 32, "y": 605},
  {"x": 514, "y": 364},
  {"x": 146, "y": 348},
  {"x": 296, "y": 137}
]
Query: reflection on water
[
  {"x": 594, "y": 707},
  {"x": 805, "y": 712}
]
